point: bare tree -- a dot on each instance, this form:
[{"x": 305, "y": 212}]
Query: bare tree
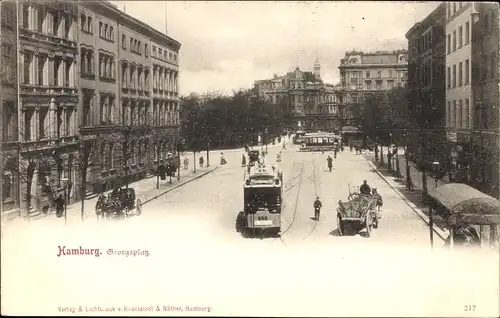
[{"x": 88, "y": 155}]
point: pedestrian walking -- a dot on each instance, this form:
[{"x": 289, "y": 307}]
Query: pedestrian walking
[
  {"x": 317, "y": 208},
  {"x": 186, "y": 163},
  {"x": 329, "y": 161},
  {"x": 201, "y": 161},
  {"x": 243, "y": 160}
]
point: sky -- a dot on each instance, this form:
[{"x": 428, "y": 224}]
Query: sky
[{"x": 226, "y": 46}]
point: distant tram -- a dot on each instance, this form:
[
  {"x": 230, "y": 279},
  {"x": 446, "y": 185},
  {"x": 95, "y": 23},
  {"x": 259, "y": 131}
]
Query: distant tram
[
  {"x": 321, "y": 141},
  {"x": 263, "y": 191},
  {"x": 297, "y": 139}
]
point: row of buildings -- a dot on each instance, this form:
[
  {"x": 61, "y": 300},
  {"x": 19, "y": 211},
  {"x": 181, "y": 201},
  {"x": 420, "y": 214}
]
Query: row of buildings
[
  {"x": 316, "y": 105},
  {"x": 454, "y": 88},
  {"x": 89, "y": 95}
]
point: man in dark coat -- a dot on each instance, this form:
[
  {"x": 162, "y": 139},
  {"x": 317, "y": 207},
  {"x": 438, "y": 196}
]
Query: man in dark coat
[
  {"x": 365, "y": 188},
  {"x": 317, "y": 208},
  {"x": 329, "y": 161}
]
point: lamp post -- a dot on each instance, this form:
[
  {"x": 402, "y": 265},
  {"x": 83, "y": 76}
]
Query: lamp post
[
  {"x": 267, "y": 138},
  {"x": 68, "y": 187},
  {"x": 389, "y": 154},
  {"x": 435, "y": 168},
  {"x": 407, "y": 165},
  {"x": 208, "y": 154}
]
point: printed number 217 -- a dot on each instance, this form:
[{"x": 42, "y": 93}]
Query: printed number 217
[{"x": 469, "y": 307}]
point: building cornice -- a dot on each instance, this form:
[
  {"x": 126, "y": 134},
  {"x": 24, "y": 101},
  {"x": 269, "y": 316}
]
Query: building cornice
[{"x": 108, "y": 10}]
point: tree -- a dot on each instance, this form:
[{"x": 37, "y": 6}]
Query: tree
[{"x": 87, "y": 155}]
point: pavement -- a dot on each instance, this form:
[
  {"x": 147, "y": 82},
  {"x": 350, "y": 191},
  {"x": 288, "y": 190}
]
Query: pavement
[{"x": 412, "y": 198}]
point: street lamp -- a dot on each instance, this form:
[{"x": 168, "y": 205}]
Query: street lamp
[
  {"x": 389, "y": 154},
  {"x": 435, "y": 167},
  {"x": 407, "y": 166},
  {"x": 267, "y": 138},
  {"x": 208, "y": 154}
]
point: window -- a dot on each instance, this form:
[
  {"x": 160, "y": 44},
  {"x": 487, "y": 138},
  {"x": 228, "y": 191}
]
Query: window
[
  {"x": 55, "y": 24},
  {"x": 27, "y": 67},
  {"x": 368, "y": 84},
  {"x": 90, "y": 27},
  {"x": 368, "y": 74},
  {"x": 449, "y": 77},
  {"x": 467, "y": 33},
  {"x": 454, "y": 41},
  {"x": 124, "y": 42},
  {"x": 146, "y": 53},
  {"x": 466, "y": 80},
  {"x": 460, "y": 83},
  {"x": 453, "y": 114},
  {"x": 466, "y": 114},
  {"x": 454, "y": 8},
  {"x": 111, "y": 34},
  {"x": 449, "y": 44},
  {"x": 379, "y": 84},
  {"x": 169, "y": 56},
  {"x": 105, "y": 32},
  {"x": 83, "y": 22},
  {"x": 42, "y": 129},
  {"x": 26, "y": 16},
  {"x": 492, "y": 66},
  {"x": 379, "y": 74},
  {"x": 390, "y": 84},
  {"x": 100, "y": 28},
  {"x": 459, "y": 114},
  {"x": 131, "y": 47},
  {"x": 41, "y": 69},
  {"x": 390, "y": 73},
  {"x": 455, "y": 75},
  {"x": 448, "y": 117},
  {"x": 460, "y": 37},
  {"x": 160, "y": 53}
]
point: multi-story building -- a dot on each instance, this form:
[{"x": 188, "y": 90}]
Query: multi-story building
[
  {"x": 472, "y": 93},
  {"x": 83, "y": 78},
  {"x": 125, "y": 101},
  {"x": 48, "y": 91},
  {"x": 313, "y": 105},
  {"x": 366, "y": 73},
  {"x": 9, "y": 199},
  {"x": 427, "y": 86}
]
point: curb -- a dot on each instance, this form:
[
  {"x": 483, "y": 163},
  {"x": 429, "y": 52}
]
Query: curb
[
  {"x": 442, "y": 234},
  {"x": 179, "y": 185}
]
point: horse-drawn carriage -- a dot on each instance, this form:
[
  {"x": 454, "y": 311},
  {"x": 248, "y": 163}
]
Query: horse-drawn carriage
[
  {"x": 359, "y": 212},
  {"x": 120, "y": 203}
]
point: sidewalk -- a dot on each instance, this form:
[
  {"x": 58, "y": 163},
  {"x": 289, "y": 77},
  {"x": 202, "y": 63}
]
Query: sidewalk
[
  {"x": 412, "y": 198},
  {"x": 145, "y": 190}
]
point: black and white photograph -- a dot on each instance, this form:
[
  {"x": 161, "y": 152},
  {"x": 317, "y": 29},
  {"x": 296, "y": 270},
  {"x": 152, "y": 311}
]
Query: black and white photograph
[{"x": 250, "y": 158}]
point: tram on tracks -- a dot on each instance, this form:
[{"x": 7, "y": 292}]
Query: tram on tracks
[
  {"x": 320, "y": 141},
  {"x": 263, "y": 192},
  {"x": 297, "y": 139}
]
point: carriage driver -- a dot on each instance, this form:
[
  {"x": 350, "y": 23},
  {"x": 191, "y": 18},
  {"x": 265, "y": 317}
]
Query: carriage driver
[{"x": 365, "y": 188}]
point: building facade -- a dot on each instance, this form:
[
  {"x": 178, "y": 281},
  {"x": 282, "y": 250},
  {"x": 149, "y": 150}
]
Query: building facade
[
  {"x": 122, "y": 94},
  {"x": 366, "y": 73},
  {"x": 9, "y": 108},
  {"x": 472, "y": 93},
  {"x": 427, "y": 87},
  {"x": 312, "y": 104},
  {"x": 85, "y": 80}
]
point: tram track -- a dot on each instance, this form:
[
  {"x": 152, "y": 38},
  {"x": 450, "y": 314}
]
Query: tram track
[
  {"x": 314, "y": 180},
  {"x": 294, "y": 215}
]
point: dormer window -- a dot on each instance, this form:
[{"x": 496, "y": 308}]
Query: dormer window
[{"x": 353, "y": 61}]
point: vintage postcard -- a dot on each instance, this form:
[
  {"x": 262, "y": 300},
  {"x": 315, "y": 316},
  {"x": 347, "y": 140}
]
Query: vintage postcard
[{"x": 250, "y": 158}]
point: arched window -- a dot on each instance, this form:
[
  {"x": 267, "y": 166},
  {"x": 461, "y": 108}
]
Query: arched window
[
  {"x": 105, "y": 33},
  {"x": 111, "y": 34},
  {"x": 124, "y": 41},
  {"x": 100, "y": 28}
]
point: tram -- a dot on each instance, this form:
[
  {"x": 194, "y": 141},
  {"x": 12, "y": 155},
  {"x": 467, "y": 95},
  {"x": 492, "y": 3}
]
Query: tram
[
  {"x": 297, "y": 139},
  {"x": 263, "y": 191},
  {"x": 321, "y": 141}
]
